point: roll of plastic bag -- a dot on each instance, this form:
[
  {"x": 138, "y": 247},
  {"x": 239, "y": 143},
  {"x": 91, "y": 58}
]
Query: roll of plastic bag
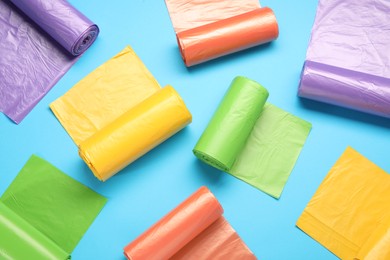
[
  {"x": 350, "y": 212},
  {"x": 32, "y": 210},
  {"x": 59, "y": 19},
  {"x": 348, "y": 61},
  {"x": 190, "y": 231},
  {"x": 48, "y": 35},
  {"x": 135, "y": 133},
  {"x": 207, "y": 30},
  {"x": 125, "y": 115},
  {"x": 20, "y": 240},
  {"x": 251, "y": 139}
]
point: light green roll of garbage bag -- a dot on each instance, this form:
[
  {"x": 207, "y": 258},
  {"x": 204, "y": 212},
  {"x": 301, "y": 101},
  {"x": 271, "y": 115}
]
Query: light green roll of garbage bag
[
  {"x": 232, "y": 123},
  {"x": 253, "y": 140}
]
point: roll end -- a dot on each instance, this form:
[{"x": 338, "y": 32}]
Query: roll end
[
  {"x": 85, "y": 40},
  {"x": 88, "y": 161},
  {"x": 210, "y": 160}
]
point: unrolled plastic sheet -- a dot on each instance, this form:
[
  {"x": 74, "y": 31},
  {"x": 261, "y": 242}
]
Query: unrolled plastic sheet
[
  {"x": 195, "y": 229},
  {"x": 210, "y": 29},
  {"x": 44, "y": 213},
  {"x": 39, "y": 41},
  {"x": 118, "y": 113},
  {"x": 350, "y": 212},
  {"x": 254, "y": 141},
  {"x": 348, "y": 59}
]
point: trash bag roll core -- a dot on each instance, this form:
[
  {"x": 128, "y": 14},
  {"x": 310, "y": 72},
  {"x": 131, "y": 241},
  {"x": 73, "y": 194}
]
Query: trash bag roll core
[{"x": 224, "y": 138}]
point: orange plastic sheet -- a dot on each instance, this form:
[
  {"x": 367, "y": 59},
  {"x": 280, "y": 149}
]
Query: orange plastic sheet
[
  {"x": 118, "y": 113},
  {"x": 350, "y": 212},
  {"x": 195, "y": 229},
  {"x": 210, "y": 29}
]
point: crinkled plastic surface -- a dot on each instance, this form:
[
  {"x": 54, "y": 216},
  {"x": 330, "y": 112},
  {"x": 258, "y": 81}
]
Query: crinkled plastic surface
[
  {"x": 39, "y": 42},
  {"x": 44, "y": 213},
  {"x": 118, "y": 113},
  {"x": 348, "y": 61},
  {"x": 350, "y": 212},
  {"x": 251, "y": 139},
  {"x": 210, "y": 29},
  {"x": 195, "y": 229}
]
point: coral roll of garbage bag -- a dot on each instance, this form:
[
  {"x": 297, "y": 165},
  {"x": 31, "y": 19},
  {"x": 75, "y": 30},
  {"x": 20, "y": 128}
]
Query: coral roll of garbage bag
[
  {"x": 207, "y": 30},
  {"x": 348, "y": 60},
  {"x": 47, "y": 38},
  {"x": 350, "y": 212},
  {"x": 118, "y": 113},
  {"x": 195, "y": 229},
  {"x": 251, "y": 139}
]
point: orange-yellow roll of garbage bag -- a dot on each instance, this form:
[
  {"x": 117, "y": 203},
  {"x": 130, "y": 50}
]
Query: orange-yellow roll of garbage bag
[
  {"x": 350, "y": 212},
  {"x": 118, "y": 113},
  {"x": 135, "y": 133}
]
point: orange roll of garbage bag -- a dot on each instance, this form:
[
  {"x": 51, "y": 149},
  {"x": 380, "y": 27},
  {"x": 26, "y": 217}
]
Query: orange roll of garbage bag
[
  {"x": 135, "y": 133},
  {"x": 227, "y": 36},
  {"x": 193, "y": 230},
  {"x": 209, "y": 29}
]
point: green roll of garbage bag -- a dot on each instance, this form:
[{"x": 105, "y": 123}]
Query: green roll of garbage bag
[
  {"x": 20, "y": 240},
  {"x": 44, "y": 213},
  {"x": 253, "y": 140}
]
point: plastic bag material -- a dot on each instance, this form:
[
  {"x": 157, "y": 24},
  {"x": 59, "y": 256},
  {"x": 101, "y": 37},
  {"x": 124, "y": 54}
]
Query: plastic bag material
[
  {"x": 195, "y": 229},
  {"x": 350, "y": 212},
  {"x": 348, "y": 61},
  {"x": 254, "y": 141},
  {"x": 39, "y": 42},
  {"x": 44, "y": 213},
  {"x": 210, "y": 29},
  {"x": 118, "y": 113}
]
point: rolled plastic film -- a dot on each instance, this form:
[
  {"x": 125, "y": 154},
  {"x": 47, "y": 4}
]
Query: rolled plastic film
[
  {"x": 347, "y": 62},
  {"x": 227, "y": 36},
  {"x": 20, "y": 240},
  {"x": 177, "y": 228},
  {"x": 44, "y": 213},
  {"x": 135, "y": 133},
  {"x": 224, "y": 139},
  {"x": 58, "y": 18}
]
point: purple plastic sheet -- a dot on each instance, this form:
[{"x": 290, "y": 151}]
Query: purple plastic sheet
[
  {"x": 39, "y": 41},
  {"x": 348, "y": 59}
]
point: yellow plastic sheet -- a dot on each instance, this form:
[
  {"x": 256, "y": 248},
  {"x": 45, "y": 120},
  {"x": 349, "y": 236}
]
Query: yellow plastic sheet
[
  {"x": 118, "y": 113},
  {"x": 350, "y": 212}
]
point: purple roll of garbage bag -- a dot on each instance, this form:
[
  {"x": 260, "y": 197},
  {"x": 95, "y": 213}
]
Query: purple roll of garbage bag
[
  {"x": 39, "y": 41},
  {"x": 348, "y": 59}
]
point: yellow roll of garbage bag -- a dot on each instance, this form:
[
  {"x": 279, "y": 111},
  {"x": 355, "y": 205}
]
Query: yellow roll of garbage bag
[
  {"x": 118, "y": 113},
  {"x": 135, "y": 133},
  {"x": 350, "y": 212}
]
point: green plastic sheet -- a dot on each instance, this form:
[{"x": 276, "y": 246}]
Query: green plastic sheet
[
  {"x": 44, "y": 213},
  {"x": 252, "y": 140}
]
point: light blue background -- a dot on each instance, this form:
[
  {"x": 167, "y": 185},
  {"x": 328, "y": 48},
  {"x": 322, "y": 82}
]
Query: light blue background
[{"x": 153, "y": 185}]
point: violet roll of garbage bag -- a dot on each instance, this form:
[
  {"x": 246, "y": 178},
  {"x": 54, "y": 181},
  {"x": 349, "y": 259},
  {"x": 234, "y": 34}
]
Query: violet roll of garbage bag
[
  {"x": 40, "y": 40},
  {"x": 348, "y": 60},
  {"x": 58, "y": 18}
]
